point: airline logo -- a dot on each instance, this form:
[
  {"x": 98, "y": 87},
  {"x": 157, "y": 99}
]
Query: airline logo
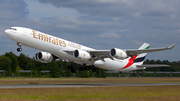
[
  {"x": 49, "y": 39},
  {"x": 131, "y": 61},
  {"x": 134, "y": 60}
]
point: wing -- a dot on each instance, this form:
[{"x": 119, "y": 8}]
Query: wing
[
  {"x": 101, "y": 54},
  {"x": 130, "y": 52},
  {"x": 69, "y": 52},
  {"x": 137, "y": 51},
  {"x": 95, "y": 54}
]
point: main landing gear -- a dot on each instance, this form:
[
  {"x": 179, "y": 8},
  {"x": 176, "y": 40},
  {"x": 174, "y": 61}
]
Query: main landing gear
[
  {"x": 19, "y": 49},
  {"x": 83, "y": 68},
  {"x": 71, "y": 67}
]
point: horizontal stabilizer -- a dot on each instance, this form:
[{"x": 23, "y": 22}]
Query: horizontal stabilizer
[{"x": 151, "y": 66}]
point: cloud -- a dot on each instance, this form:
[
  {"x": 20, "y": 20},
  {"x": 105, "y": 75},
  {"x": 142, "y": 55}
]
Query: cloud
[
  {"x": 119, "y": 7},
  {"x": 12, "y": 9},
  {"x": 46, "y": 10},
  {"x": 101, "y": 24},
  {"x": 109, "y": 35}
]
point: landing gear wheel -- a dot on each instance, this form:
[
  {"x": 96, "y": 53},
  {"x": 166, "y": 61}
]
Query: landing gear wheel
[
  {"x": 73, "y": 71},
  {"x": 95, "y": 69},
  {"x": 69, "y": 67},
  {"x": 19, "y": 49},
  {"x": 81, "y": 69}
]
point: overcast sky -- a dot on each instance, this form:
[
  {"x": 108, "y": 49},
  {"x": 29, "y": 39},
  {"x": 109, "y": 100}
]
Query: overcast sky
[{"x": 99, "y": 24}]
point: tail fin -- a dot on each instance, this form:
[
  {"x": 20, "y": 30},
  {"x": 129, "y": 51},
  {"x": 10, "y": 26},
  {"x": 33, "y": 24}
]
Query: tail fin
[{"x": 140, "y": 57}]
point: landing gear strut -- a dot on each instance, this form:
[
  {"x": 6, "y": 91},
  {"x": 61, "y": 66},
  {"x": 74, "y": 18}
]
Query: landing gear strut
[
  {"x": 19, "y": 49},
  {"x": 71, "y": 67}
]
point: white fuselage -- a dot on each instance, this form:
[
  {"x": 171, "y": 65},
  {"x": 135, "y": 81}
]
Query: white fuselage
[{"x": 55, "y": 46}]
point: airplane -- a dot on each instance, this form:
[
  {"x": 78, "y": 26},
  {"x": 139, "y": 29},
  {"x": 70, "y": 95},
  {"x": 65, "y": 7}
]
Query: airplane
[{"x": 53, "y": 48}]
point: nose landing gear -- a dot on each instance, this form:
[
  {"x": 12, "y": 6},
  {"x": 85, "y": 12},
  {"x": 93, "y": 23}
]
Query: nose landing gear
[{"x": 19, "y": 49}]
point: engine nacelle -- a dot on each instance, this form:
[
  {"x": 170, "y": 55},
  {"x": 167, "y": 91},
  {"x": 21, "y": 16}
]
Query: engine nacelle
[
  {"x": 44, "y": 57},
  {"x": 81, "y": 54},
  {"x": 118, "y": 53}
]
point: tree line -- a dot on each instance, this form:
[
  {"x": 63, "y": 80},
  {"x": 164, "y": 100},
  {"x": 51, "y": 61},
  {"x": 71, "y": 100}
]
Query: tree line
[
  {"x": 174, "y": 66},
  {"x": 12, "y": 64}
]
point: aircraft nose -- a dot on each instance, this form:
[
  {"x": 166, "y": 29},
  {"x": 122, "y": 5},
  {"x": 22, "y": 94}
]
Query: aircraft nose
[{"x": 6, "y": 31}]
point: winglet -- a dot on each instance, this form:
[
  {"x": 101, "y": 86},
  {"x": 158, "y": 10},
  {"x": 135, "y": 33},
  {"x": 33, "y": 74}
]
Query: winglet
[{"x": 172, "y": 46}]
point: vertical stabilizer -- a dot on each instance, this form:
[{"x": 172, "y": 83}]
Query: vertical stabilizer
[{"x": 140, "y": 57}]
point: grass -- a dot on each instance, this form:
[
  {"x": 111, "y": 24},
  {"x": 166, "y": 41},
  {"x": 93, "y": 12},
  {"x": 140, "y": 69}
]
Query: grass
[
  {"x": 138, "y": 93},
  {"x": 129, "y": 93},
  {"x": 85, "y": 80}
]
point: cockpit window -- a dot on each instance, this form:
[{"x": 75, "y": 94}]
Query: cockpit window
[{"x": 13, "y": 29}]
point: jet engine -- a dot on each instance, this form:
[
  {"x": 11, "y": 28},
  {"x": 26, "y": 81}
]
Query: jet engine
[
  {"x": 81, "y": 54},
  {"x": 44, "y": 57},
  {"x": 118, "y": 53}
]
